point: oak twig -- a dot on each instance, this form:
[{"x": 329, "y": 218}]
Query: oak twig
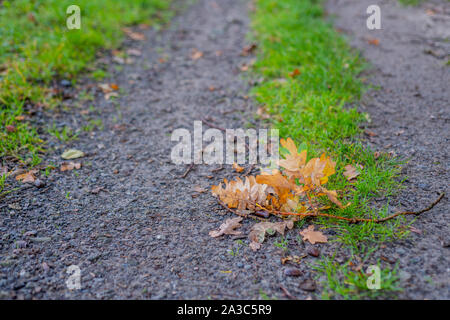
[{"x": 352, "y": 220}]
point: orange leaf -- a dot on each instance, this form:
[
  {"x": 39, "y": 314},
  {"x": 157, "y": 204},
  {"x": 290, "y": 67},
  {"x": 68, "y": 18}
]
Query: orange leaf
[{"x": 28, "y": 176}]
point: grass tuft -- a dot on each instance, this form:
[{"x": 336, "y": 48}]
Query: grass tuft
[{"x": 317, "y": 107}]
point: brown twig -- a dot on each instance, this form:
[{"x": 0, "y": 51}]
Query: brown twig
[
  {"x": 249, "y": 170},
  {"x": 353, "y": 220},
  {"x": 287, "y": 293},
  {"x": 238, "y": 213},
  {"x": 191, "y": 166},
  {"x": 212, "y": 125}
]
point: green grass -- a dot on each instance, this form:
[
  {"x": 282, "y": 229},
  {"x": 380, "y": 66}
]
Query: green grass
[
  {"x": 411, "y": 2},
  {"x": 36, "y": 48},
  {"x": 344, "y": 283},
  {"x": 318, "y": 109}
]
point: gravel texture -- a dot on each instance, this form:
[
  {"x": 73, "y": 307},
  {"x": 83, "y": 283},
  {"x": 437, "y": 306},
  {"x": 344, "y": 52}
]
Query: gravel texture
[
  {"x": 144, "y": 234},
  {"x": 138, "y": 230}
]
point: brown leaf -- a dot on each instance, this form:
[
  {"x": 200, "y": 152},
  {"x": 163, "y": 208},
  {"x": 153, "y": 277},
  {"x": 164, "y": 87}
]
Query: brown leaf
[
  {"x": 370, "y": 133},
  {"x": 259, "y": 231},
  {"x": 20, "y": 118},
  {"x": 199, "y": 189},
  {"x": 352, "y": 172},
  {"x": 313, "y": 236},
  {"x": 67, "y": 166},
  {"x": 227, "y": 228},
  {"x": 248, "y": 49},
  {"x": 134, "y": 52},
  {"x": 134, "y": 35},
  {"x": 373, "y": 41},
  {"x": 294, "y": 73},
  {"x": 237, "y": 168},
  {"x": 28, "y": 176},
  {"x": 196, "y": 54},
  {"x": 10, "y": 128}
]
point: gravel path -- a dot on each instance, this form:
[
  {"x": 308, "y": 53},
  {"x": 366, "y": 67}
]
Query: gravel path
[
  {"x": 410, "y": 116},
  {"x": 138, "y": 230},
  {"x": 146, "y": 234}
]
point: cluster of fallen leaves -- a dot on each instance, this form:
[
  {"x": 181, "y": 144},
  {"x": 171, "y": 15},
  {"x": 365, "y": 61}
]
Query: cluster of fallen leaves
[
  {"x": 30, "y": 176},
  {"x": 293, "y": 193}
]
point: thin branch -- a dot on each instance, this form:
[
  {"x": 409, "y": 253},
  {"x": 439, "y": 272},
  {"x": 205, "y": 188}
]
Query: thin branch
[
  {"x": 353, "y": 220},
  {"x": 191, "y": 166}
]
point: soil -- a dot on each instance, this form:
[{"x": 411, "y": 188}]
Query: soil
[{"x": 135, "y": 223}]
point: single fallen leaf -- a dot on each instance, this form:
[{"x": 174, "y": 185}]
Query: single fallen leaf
[
  {"x": 237, "y": 168},
  {"x": 111, "y": 94},
  {"x": 258, "y": 232},
  {"x": 227, "y": 228},
  {"x": 373, "y": 41},
  {"x": 294, "y": 73},
  {"x": 134, "y": 52},
  {"x": 67, "y": 166},
  {"x": 28, "y": 176},
  {"x": 20, "y": 118},
  {"x": 370, "y": 133},
  {"x": 114, "y": 86},
  {"x": 244, "y": 67},
  {"x": 295, "y": 259},
  {"x": 313, "y": 236},
  {"x": 10, "y": 128},
  {"x": 72, "y": 154},
  {"x": 200, "y": 189},
  {"x": 248, "y": 49},
  {"x": 196, "y": 54},
  {"x": 262, "y": 113},
  {"x": 352, "y": 172},
  {"x": 134, "y": 35}
]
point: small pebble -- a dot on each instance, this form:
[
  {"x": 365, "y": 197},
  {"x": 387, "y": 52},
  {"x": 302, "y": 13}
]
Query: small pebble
[
  {"x": 292, "y": 272},
  {"x": 308, "y": 285},
  {"x": 313, "y": 251},
  {"x": 38, "y": 183}
]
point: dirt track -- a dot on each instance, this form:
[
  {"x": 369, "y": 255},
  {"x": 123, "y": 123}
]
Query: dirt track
[{"x": 144, "y": 234}]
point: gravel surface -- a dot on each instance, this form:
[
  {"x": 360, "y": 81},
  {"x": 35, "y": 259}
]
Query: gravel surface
[
  {"x": 144, "y": 234},
  {"x": 410, "y": 116},
  {"x": 138, "y": 230}
]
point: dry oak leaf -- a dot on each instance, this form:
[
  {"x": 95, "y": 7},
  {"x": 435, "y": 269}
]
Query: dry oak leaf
[
  {"x": 237, "y": 167},
  {"x": 332, "y": 195},
  {"x": 242, "y": 194},
  {"x": 196, "y": 54},
  {"x": 28, "y": 176},
  {"x": 373, "y": 41},
  {"x": 134, "y": 52},
  {"x": 317, "y": 171},
  {"x": 294, "y": 73},
  {"x": 227, "y": 228},
  {"x": 67, "y": 166},
  {"x": 248, "y": 49},
  {"x": 313, "y": 236},
  {"x": 199, "y": 189},
  {"x": 351, "y": 172},
  {"x": 134, "y": 35},
  {"x": 258, "y": 232},
  {"x": 294, "y": 161}
]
